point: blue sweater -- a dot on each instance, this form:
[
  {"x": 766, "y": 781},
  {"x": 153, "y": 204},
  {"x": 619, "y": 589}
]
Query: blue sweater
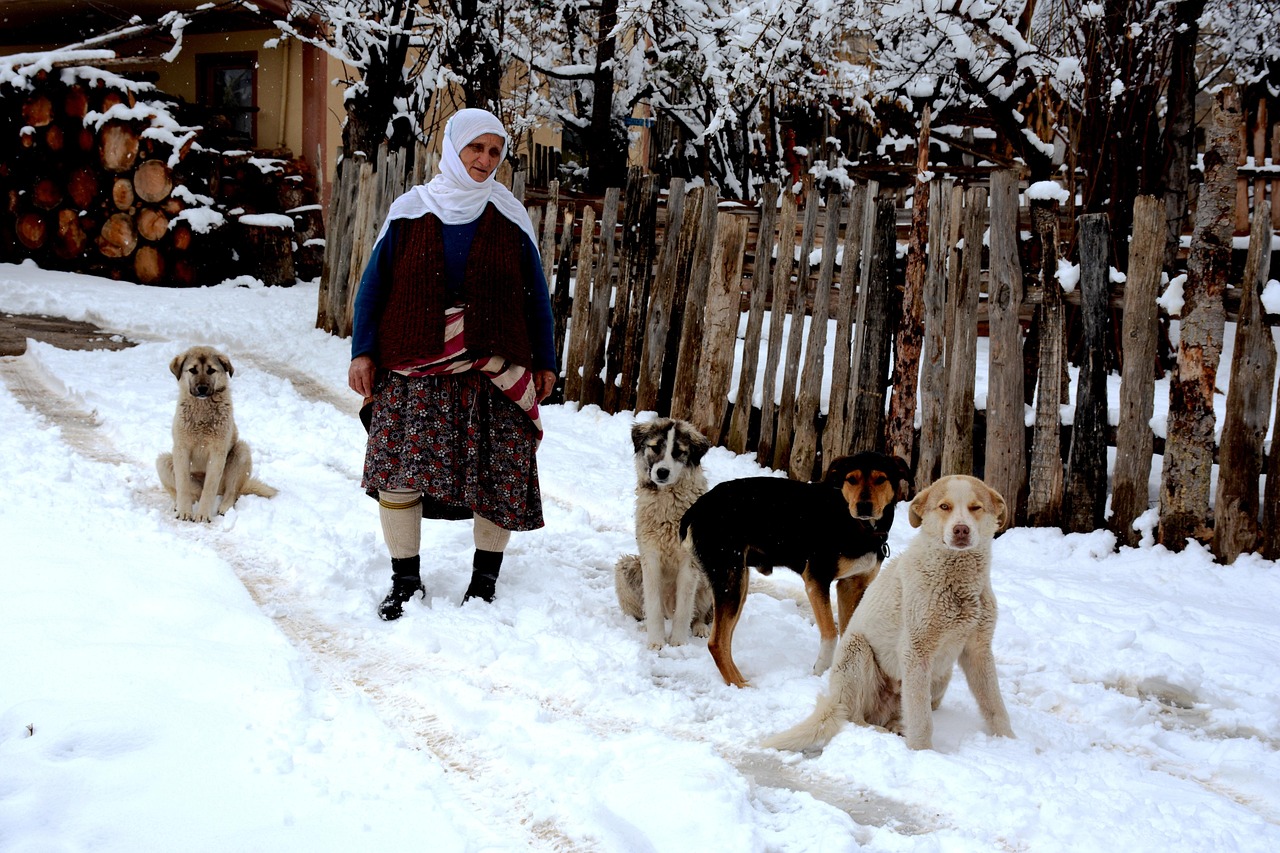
[{"x": 376, "y": 281}]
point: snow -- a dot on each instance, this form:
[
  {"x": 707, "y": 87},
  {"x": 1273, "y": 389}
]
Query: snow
[{"x": 228, "y": 686}]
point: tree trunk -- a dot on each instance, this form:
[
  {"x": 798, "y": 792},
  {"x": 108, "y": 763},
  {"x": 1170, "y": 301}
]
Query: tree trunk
[
  {"x": 1188, "y": 459},
  {"x": 1179, "y": 127}
]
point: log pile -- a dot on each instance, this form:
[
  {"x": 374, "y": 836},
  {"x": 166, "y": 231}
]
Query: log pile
[{"x": 97, "y": 176}]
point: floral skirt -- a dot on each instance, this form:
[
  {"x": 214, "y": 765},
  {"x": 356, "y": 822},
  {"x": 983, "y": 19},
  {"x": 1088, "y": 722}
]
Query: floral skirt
[{"x": 460, "y": 442}]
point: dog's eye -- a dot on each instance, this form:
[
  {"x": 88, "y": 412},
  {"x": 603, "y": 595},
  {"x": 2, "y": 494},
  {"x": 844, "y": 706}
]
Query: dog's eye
[
  {"x": 945, "y": 507},
  {"x": 975, "y": 508},
  {"x": 879, "y": 479}
]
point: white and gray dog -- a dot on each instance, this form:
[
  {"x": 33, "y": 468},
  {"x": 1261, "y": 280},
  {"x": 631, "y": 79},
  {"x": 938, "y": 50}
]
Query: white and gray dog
[{"x": 661, "y": 582}]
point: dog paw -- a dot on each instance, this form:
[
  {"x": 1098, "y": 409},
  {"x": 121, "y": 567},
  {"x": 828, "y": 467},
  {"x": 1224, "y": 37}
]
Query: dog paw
[{"x": 702, "y": 631}]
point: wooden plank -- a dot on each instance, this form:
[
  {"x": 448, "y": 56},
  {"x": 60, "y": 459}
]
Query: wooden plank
[
  {"x": 547, "y": 248},
  {"x": 1188, "y": 459},
  {"x": 1084, "y": 495},
  {"x": 689, "y": 350},
  {"x": 1140, "y": 324},
  {"x": 871, "y": 362},
  {"x": 720, "y": 329},
  {"x": 601, "y": 300},
  {"x": 933, "y": 359},
  {"x": 1005, "y": 469},
  {"x": 1044, "y": 496},
  {"x": 635, "y": 263},
  {"x": 783, "y": 261},
  {"x": 962, "y": 349},
  {"x": 799, "y": 302},
  {"x": 661, "y": 304},
  {"x": 581, "y": 315},
  {"x": 804, "y": 449},
  {"x": 900, "y": 431},
  {"x": 360, "y": 243},
  {"x": 561, "y": 301},
  {"x": 1253, "y": 369},
  {"x": 835, "y": 434},
  {"x": 740, "y": 421}
]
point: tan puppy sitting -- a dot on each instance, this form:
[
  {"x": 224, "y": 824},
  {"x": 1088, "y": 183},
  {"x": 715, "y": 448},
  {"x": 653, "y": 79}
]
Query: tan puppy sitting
[
  {"x": 929, "y": 608},
  {"x": 208, "y": 457}
]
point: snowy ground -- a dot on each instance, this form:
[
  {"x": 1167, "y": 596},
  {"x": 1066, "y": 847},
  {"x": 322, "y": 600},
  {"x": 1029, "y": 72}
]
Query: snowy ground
[{"x": 176, "y": 686}]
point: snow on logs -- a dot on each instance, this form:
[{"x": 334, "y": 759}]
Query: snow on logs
[{"x": 97, "y": 176}]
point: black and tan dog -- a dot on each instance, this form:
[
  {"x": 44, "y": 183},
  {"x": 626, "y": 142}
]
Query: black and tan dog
[{"x": 835, "y": 530}]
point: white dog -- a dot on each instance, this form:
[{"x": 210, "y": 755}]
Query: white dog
[
  {"x": 661, "y": 582},
  {"x": 927, "y": 609}
]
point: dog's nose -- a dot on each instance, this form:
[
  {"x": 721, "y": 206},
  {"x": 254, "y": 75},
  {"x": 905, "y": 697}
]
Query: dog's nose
[
  {"x": 865, "y": 509},
  {"x": 960, "y": 535},
  {"x": 661, "y": 474}
]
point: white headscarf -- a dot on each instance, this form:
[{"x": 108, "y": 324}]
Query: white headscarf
[{"x": 453, "y": 195}]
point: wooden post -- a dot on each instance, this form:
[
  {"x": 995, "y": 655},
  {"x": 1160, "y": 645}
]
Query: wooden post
[
  {"x": 720, "y": 329},
  {"x": 661, "y": 303},
  {"x": 805, "y": 446},
  {"x": 688, "y": 354},
  {"x": 900, "y": 432},
  {"x": 574, "y": 374},
  {"x": 601, "y": 293},
  {"x": 933, "y": 365},
  {"x": 561, "y": 301},
  {"x": 547, "y": 248},
  {"x": 1139, "y": 324},
  {"x": 835, "y": 435},
  {"x": 1044, "y": 495},
  {"x": 1270, "y": 545},
  {"x": 1253, "y": 369},
  {"x": 796, "y": 334},
  {"x": 740, "y": 421},
  {"x": 635, "y": 271},
  {"x": 783, "y": 261},
  {"x": 870, "y": 373},
  {"x": 1085, "y": 489},
  {"x": 1006, "y": 466},
  {"x": 1188, "y": 456},
  {"x": 962, "y": 349}
]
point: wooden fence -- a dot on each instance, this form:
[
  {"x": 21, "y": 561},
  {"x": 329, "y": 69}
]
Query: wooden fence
[{"x": 662, "y": 300}]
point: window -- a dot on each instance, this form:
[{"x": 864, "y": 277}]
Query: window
[{"x": 227, "y": 84}]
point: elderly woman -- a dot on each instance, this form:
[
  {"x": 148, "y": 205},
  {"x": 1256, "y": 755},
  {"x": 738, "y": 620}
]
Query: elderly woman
[{"x": 454, "y": 423}]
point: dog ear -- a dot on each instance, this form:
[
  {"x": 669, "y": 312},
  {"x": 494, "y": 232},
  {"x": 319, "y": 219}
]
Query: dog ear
[
  {"x": 837, "y": 471},
  {"x": 699, "y": 444},
  {"x": 226, "y": 364},
  {"x": 175, "y": 366},
  {"x": 638, "y": 434},
  {"x": 997, "y": 506},
  {"x": 905, "y": 477},
  {"x": 915, "y": 511}
]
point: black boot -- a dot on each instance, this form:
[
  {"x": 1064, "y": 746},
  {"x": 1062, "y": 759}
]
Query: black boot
[
  {"x": 405, "y": 584},
  {"x": 484, "y": 575}
]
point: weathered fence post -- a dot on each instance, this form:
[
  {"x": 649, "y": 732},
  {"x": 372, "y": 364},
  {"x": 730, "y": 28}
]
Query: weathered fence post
[
  {"x": 835, "y": 435},
  {"x": 962, "y": 349},
  {"x": 1006, "y": 467},
  {"x": 550, "y": 219},
  {"x": 900, "y": 431},
  {"x": 1044, "y": 495},
  {"x": 1270, "y": 546},
  {"x": 1188, "y": 455},
  {"x": 870, "y": 373},
  {"x": 1084, "y": 495},
  {"x": 781, "y": 284},
  {"x": 805, "y": 447},
  {"x": 1139, "y": 324},
  {"x": 635, "y": 266},
  {"x": 688, "y": 354},
  {"x": 796, "y": 334},
  {"x": 561, "y": 301},
  {"x": 933, "y": 365},
  {"x": 720, "y": 328},
  {"x": 601, "y": 298},
  {"x": 740, "y": 421},
  {"x": 1253, "y": 369},
  {"x": 574, "y": 371},
  {"x": 661, "y": 304}
]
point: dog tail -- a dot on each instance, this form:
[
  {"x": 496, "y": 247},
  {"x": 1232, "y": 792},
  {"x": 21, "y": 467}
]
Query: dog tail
[
  {"x": 814, "y": 732},
  {"x": 254, "y": 486}
]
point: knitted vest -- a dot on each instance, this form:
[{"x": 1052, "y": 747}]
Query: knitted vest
[{"x": 412, "y": 324}]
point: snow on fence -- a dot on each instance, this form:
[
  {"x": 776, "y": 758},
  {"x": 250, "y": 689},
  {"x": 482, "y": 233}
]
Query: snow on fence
[{"x": 690, "y": 307}]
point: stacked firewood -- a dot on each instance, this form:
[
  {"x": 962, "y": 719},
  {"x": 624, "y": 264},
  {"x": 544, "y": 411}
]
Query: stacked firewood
[{"x": 98, "y": 176}]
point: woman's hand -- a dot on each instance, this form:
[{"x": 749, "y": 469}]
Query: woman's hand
[
  {"x": 544, "y": 382},
  {"x": 360, "y": 375}
]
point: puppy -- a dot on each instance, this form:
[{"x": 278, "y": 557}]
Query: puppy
[
  {"x": 833, "y": 530},
  {"x": 928, "y": 608},
  {"x": 208, "y": 457},
  {"x": 660, "y": 582}
]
